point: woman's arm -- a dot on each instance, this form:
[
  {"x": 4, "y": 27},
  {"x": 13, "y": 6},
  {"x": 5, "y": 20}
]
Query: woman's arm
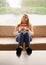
[{"x": 30, "y": 30}]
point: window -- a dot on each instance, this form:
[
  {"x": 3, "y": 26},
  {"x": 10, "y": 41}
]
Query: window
[
  {"x": 14, "y": 3},
  {"x": 12, "y": 10}
]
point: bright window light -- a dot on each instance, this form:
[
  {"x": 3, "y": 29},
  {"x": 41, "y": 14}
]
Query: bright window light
[{"x": 14, "y": 3}]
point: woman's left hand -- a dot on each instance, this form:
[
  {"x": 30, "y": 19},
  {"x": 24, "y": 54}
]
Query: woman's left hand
[{"x": 27, "y": 29}]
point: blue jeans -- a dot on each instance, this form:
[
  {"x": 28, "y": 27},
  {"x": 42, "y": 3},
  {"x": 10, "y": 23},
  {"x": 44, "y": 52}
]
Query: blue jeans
[{"x": 24, "y": 37}]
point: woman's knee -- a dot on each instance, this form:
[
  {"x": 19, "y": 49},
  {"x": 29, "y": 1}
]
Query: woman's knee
[
  {"x": 21, "y": 33},
  {"x": 27, "y": 34}
]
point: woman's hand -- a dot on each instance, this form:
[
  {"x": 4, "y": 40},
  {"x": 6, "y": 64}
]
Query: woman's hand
[
  {"x": 26, "y": 29},
  {"x": 21, "y": 29}
]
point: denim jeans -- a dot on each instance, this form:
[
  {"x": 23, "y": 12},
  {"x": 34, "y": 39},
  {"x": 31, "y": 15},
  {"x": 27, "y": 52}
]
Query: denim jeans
[{"x": 24, "y": 37}]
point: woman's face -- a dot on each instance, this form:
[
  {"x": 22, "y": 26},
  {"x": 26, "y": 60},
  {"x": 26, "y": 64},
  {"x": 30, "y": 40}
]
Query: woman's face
[{"x": 24, "y": 18}]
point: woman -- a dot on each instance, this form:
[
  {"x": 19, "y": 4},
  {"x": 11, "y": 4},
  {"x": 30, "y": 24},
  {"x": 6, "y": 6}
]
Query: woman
[{"x": 24, "y": 35}]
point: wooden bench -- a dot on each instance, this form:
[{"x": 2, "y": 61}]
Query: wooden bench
[{"x": 7, "y": 38}]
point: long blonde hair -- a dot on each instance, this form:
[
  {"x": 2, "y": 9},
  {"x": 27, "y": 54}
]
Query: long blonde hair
[{"x": 27, "y": 22}]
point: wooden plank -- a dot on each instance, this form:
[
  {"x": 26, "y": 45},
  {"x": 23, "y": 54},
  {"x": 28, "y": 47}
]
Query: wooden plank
[{"x": 13, "y": 47}]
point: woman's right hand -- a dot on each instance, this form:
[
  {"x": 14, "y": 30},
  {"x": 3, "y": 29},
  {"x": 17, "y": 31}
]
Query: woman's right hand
[{"x": 21, "y": 29}]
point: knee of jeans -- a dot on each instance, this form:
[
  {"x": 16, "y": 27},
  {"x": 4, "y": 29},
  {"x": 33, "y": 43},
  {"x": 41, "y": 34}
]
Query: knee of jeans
[
  {"x": 21, "y": 33},
  {"x": 27, "y": 33}
]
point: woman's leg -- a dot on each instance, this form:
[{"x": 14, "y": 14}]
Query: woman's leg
[
  {"x": 27, "y": 39},
  {"x": 19, "y": 39}
]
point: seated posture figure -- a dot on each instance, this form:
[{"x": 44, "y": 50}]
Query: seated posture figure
[{"x": 24, "y": 35}]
